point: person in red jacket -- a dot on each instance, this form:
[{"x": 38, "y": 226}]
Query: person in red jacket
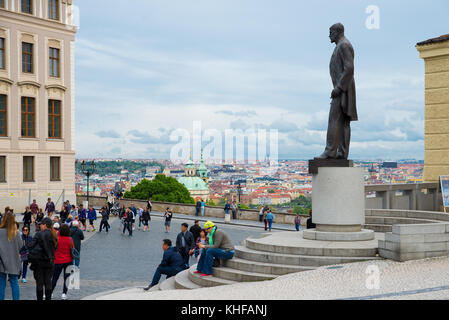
[{"x": 63, "y": 258}]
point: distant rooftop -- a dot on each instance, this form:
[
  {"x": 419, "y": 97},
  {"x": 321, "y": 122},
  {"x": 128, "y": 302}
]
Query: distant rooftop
[{"x": 434, "y": 40}]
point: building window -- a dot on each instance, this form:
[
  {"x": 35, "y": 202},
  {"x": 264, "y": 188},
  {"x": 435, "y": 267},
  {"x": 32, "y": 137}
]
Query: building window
[
  {"x": 28, "y": 169},
  {"x": 28, "y": 117},
  {"x": 27, "y": 6},
  {"x": 27, "y": 57},
  {"x": 53, "y": 9},
  {"x": 2, "y": 169},
  {"x": 2, "y": 53},
  {"x": 55, "y": 169},
  {"x": 3, "y": 113},
  {"x": 2, "y": 3},
  {"x": 54, "y": 119},
  {"x": 54, "y": 62}
]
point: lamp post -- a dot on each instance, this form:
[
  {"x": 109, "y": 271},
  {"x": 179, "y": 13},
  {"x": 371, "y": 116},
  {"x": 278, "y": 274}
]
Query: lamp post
[
  {"x": 88, "y": 172},
  {"x": 239, "y": 190}
]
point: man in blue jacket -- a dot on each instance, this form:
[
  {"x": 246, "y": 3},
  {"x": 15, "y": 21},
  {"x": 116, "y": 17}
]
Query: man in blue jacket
[{"x": 172, "y": 263}]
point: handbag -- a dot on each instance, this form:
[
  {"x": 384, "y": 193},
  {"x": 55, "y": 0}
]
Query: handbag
[{"x": 75, "y": 253}]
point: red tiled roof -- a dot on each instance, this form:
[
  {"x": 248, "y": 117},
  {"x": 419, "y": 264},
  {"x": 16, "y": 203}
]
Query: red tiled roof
[{"x": 434, "y": 40}]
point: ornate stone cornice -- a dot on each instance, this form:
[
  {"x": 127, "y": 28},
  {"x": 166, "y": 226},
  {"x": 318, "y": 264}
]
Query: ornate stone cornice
[
  {"x": 56, "y": 86},
  {"x": 29, "y": 83},
  {"x": 9, "y": 81}
]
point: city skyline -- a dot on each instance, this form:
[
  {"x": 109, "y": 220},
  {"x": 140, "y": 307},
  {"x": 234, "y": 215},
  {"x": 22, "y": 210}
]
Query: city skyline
[{"x": 256, "y": 65}]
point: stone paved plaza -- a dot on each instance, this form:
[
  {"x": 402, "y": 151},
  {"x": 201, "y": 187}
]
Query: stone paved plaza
[
  {"x": 420, "y": 279},
  {"x": 113, "y": 261}
]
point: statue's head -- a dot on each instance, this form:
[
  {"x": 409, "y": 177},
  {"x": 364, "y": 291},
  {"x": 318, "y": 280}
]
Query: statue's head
[{"x": 336, "y": 31}]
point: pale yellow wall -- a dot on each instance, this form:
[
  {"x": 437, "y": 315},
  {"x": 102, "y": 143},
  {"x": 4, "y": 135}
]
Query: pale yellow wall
[
  {"x": 16, "y": 27},
  {"x": 436, "y": 145}
]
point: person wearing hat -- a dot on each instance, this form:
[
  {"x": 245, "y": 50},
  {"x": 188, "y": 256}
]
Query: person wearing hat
[
  {"x": 219, "y": 247},
  {"x": 42, "y": 258}
]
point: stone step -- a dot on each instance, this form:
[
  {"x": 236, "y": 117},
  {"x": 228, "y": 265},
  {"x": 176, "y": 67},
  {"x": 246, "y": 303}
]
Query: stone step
[
  {"x": 245, "y": 253},
  {"x": 261, "y": 267},
  {"x": 241, "y": 276},
  {"x": 168, "y": 284},
  {"x": 379, "y": 227},
  {"x": 395, "y": 220},
  {"x": 209, "y": 281},
  {"x": 182, "y": 281},
  {"x": 155, "y": 288},
  {"x": 317, "y": 248}
]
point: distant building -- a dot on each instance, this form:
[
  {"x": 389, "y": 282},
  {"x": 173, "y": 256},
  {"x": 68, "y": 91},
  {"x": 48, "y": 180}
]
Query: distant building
[
  {"x": 196, "y": 180},
  {"x": 390, "y": 165}
]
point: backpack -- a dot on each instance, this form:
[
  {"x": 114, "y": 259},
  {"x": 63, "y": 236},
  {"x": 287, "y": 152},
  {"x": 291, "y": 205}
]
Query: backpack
[{"x": 75, "y": 253}]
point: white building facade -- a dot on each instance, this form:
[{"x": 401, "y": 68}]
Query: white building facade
[{"x": 37, "y": 109}]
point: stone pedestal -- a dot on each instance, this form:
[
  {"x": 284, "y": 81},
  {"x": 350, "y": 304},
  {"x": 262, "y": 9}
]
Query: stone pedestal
[{"x": 338, "y": 202}]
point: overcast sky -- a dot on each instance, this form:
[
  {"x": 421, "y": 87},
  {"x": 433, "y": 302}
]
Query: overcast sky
[{"x": 147, "y": 67}]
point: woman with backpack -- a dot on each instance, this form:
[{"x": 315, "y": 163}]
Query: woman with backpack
[
  {"x": 63, "y": 258},
  {"x": 10, "y": 244},
  {"x": 145, "y": 218},
  {"x": 42, "y": 258},
  {"x": 24, "y": 251}
]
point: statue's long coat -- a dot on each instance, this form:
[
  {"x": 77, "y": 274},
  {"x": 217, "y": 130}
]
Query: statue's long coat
[{"x": 342, "y": 74}]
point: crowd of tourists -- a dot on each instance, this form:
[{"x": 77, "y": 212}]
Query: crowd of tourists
[{"x": 53, "y": 249}]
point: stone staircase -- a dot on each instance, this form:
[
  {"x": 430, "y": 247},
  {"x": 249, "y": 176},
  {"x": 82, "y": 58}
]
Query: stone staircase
[
  {"x": 381, "y": 221},
  {"x": 273, "y": 255}
]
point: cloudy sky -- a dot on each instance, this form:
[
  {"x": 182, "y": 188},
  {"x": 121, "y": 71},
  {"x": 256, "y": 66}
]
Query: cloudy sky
[{"x": 145, "y": 68}]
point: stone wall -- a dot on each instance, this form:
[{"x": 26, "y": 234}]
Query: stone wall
[
  {"x": 436, "y": 135},
  {"x": 417, "y": 241},
  {"x": 189, "y": 209}
]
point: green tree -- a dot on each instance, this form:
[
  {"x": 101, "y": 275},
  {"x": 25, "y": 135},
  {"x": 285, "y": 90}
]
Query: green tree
[
  {"x": 301, "y": 210},
  {"x": 161, "y": 188}
]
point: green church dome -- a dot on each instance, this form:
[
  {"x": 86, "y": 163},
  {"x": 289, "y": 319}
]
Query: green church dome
[{"x": 193, "y": 183}]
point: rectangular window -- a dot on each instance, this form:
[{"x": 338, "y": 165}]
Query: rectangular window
[
  {"x": 27, "y": 6},
  {"x": 3, "y": 113},
  {"x": 54, "y": 62},
  {"x": 53, "y": 9},
  {"x": 2, "y": 169},
  {"x": 28, "y": 117},
  {"x": 27, "y": 57},
  {"x": 2, "y": 53},
  {"x": 28, "y": 169},
  {"x": 54, "y": 119},
  {"x": 55, "y": 166},
  {"x": 2, "y": 3}
]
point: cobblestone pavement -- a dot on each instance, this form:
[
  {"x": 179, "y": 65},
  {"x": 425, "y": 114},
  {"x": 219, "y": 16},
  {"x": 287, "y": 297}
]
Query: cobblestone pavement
[
  {"x": 419, "y": 279},
  {"x": 113, "y": 261}
]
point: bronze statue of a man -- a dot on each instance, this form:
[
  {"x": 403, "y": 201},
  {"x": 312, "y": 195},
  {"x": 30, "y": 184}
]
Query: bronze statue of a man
[{"x": 343, "y": 105}]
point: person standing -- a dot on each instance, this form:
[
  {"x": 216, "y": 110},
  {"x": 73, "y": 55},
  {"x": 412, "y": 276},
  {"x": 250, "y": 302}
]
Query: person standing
[
  {"x": 27, "y": 217},
  {"x": 92, "y": 216},
  {"x": 24, "y": 251},
  {"x": 134, "y": 210},
  {"x": 129, "y": 217},
  {"x": 234, "y": 210},
  {"x": 82, "y": 214},
  {"x": 34, "y": 209},
  {"x": 198, "y": 208},
  {"x": 261, "y": 212},
  {"x": 49, "y": 208},
  {"x": 110, "y": 201},
  {"x": 10, "y": 245},
  {"x": 63, "y": 259},
  {"x": 149, "y": 205},
  {"x": 77, "y": 235},
  {"x": 171, "y": 264},
  {"x": 297, "y": 222},
  {"x": 38, "y": 220},
  {"x": 168, "y": 216},
  {"x": 195, "y": 230},
  {"x": 73, "y": 211},
  {"x": 270, "y": 218},
  {"x": 139, "y": 217},
  {"x": 227, "y": 207},
  {"x": 220, "y": 247},
  {"x": 146, "y": 217},
  {"x": 42, "y": 258},
  {"x": 185, "y": 243},
  {"x": 203, "y": 207},
  {"x": 104, "y": 219}
]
